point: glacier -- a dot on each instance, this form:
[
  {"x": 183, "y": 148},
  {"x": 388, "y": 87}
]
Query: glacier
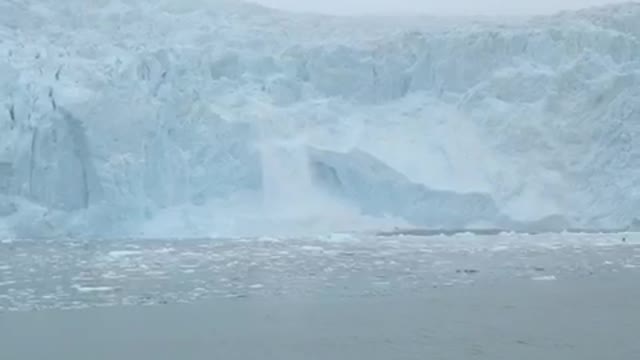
[{"x": 224, "y": 118}]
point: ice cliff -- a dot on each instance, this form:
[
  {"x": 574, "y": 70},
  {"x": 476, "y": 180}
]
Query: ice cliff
[{"x": 206, "y": 118}]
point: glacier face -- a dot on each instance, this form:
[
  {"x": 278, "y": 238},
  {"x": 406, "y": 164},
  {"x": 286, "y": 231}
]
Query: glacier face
[{"x": 200, "y": 118}]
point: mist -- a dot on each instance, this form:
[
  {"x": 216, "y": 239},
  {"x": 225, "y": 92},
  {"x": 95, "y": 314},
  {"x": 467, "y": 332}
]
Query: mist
[{"x": 433, "y": 7}]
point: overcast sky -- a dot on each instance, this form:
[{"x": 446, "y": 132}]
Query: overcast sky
[{"x": 435, "y": 7}]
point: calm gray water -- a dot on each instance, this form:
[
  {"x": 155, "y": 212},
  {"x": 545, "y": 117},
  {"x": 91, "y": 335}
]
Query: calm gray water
[{"x": 343, "y": 297}]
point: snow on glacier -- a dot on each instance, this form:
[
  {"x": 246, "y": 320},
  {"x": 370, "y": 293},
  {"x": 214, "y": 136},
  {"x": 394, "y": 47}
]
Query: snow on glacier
[{"x": 196, "y": 118}]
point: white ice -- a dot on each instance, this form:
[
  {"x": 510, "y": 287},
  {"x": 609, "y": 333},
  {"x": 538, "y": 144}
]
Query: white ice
[{"x": 215, "y": 118}]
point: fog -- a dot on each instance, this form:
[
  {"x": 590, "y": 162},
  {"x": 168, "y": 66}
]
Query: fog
[{"x": 433, "y": 7}]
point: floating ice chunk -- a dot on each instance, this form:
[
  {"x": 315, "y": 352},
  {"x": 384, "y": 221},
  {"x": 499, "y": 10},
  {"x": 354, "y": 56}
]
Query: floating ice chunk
[
  {"x": 91, "y": 289},
  {"x": 544, "y": 278},
  {"x": 500, "y": 248},
  {"x": 312, "y": 248},
  {"x": 123, "y": 253}
]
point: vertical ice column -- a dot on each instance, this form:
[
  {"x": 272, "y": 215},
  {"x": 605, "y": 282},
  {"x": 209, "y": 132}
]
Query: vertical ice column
[
  {"x": 60, "y": 170},
  {"x": 286, "y": 176}
]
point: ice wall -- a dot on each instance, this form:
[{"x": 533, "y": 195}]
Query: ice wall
[{"x": 200, "y": 118}]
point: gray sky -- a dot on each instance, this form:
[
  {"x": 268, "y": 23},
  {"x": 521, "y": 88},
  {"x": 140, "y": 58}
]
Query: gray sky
[{"x": 436, "y": 7}]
